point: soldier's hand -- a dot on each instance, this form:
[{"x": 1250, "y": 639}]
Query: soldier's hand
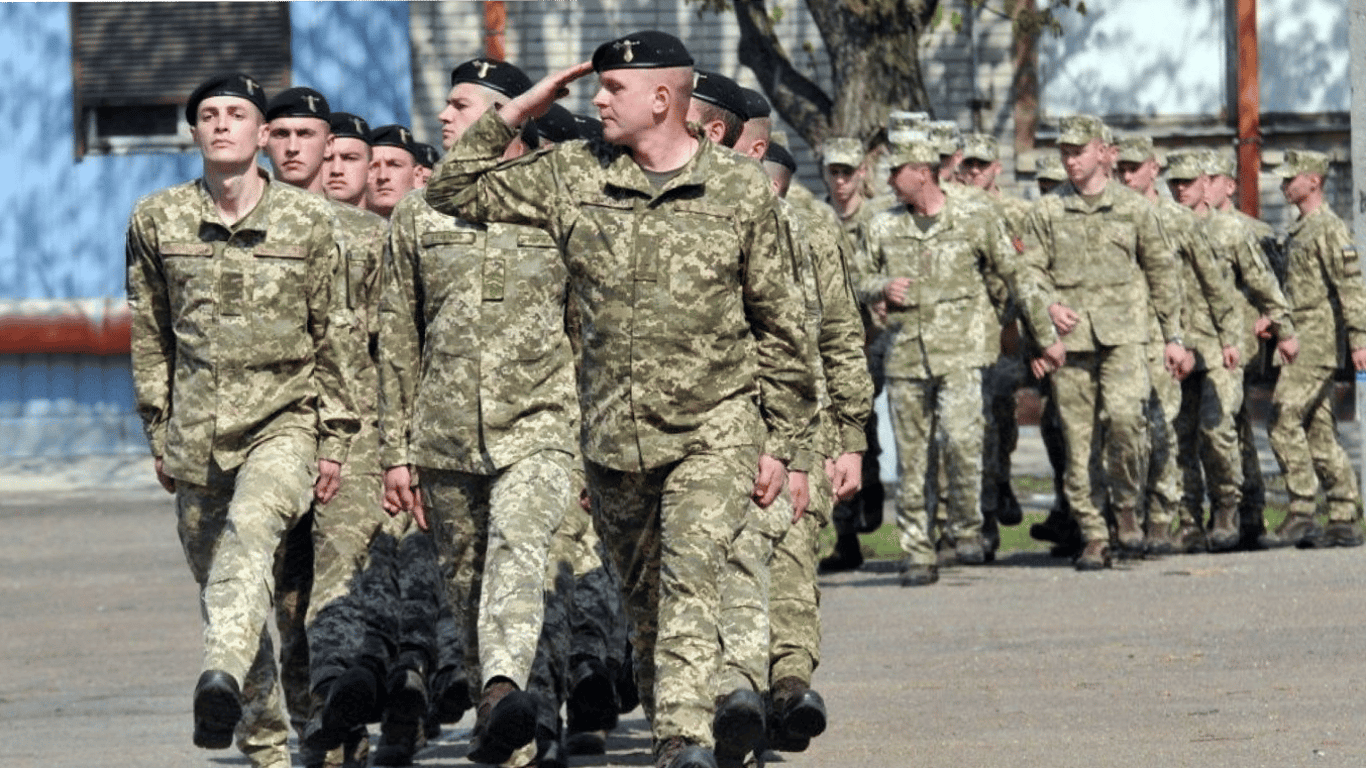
[
  {"x": 848, "y": 477},
  {"x": 329, "y": 480},
  {"x": 1064, "y": 318},
  {"x": 896, "y": 291},
  {"x": 398, "y": 490},
  {"x": 1232, "y": 358},
  {"x": 1178, "y": 360},
  {"x": 585, "y": 501},
  {"x": 799, "y": 488},
  {"x": 1359, "y": 359},
  {"x": 1053, "y": 357},
  {"x": 1289, "y": 349},
  {"x": 536, "y": 101},
  {"x": 879, "y": 312},
  {"x": 769, "y": 480},
  {"x": 1262, "y": 327},
  {"x": 166, "y": 480}
]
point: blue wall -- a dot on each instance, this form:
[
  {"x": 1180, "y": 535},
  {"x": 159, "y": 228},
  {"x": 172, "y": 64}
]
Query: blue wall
[{"x": 62, "y": 221}]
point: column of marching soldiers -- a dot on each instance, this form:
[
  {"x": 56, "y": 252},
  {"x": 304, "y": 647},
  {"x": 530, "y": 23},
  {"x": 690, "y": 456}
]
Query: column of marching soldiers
[{"x": 609, "y": 379}]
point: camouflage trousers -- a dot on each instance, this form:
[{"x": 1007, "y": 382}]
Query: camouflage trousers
[
  {"x": 1303, "y": 435},
  {"x": 1207, "y": 433},
  {"x": 794, "y": 598},
  {"x": 937, "y": 420},
  {"x": 867, "y": 504},
  {"x": 1163, "y": 472},
  {"x": 494, "y": 534},
  {"x": 1254, "y": 485},
  {"x": 668, "y": 531},
  {"x": 1103, "y": 392},
  {"x": 744, "y": 591},
  {"x": 230, "y": 530},
  {"x": 999, "y": 384}
]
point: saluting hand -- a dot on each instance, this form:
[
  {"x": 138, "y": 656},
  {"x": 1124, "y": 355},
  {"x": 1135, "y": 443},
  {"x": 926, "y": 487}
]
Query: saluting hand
[{"x": 536, "y": 101}]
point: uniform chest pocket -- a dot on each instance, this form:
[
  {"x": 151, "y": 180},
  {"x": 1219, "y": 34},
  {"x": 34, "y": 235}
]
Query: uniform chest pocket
[
  {"x": 189, "y": 269},
  {"x": 275, "y": 289},
  {"x": 693, "y": 248}
]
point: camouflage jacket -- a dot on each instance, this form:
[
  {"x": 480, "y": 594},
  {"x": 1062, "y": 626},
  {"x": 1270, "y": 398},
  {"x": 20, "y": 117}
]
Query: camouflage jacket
[
  {"x": 230, "y": 327},
  {"x": 362, "y": 236},
  {"x": 1109, "y": 261},
  {"x": 1208, "y": 314},
  {"x": 1239, "y": 252},
  {"x": 1272, "y": 246},
  {"x": 476, "y": 371},
  {"x": 845, "y": 390},
  {"x": 961, "y": 279},
  {"x": 1324, "y": 287},
  {"x": 691, "y": 315}
]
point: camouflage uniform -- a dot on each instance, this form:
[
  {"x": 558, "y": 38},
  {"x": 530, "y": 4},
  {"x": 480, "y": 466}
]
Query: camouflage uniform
[
  {"x": 691, "y": 317},
  {"x": 1324, "y": 288},
  {"x": 240, "y": 388},
  {"x": 476, "y": 390}
]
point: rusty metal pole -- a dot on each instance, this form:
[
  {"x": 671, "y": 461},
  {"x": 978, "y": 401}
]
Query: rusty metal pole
[
  {"x": 1249, "y": 111},
  {"x": 495, "y": 30}
]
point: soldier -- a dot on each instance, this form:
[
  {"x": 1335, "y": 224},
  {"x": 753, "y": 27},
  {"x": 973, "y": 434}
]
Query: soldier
[
  {"x": 941, "y": 266},
  {"x": 718, "y": 105},
  {"x": 393, "y": 168},
  {"x": 347, "y": 159},
  {"x": 1324, "y": 287},
  {"x": 427, "y": 158},
  {"x": 689, "y": 312},
  {"x": 756, "y": 133},
  {"x": 1101, "y": 249},
  {"x": 239, "y": 385},
  {"x": 1048, "y": 173},
  {"x": 948, "y": 140}
]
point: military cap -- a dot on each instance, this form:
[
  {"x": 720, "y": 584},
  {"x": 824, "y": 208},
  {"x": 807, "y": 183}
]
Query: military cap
[
  {"x": 589, "y": 127},
  {"x": 426, "y": 155},
  {"x": 717, "y": 89},
  {"x": 348, "y": 126},
  {"x": 1218, "y": 163},
  {"x": 916, "y": 148},
  {"x": 1185, "y": 164},
  {"x": 981, "y": 146},
  {"x": 1081, "y": 129},
  {"x": 842, "y": 151},
  {"x": 299, "y": 102},
  {"x": 497, "y": 75},
  {"x": 901, "y": 124},
  {"x": 557, "y": 125},
  {"x": 777, "y": 153},
  {"x": 393, "y": 136},
  {"x": 756, "y": 105},
  {"x": 647, "y": 49},
  {"x": 1299, "y": 161},
  {"x": 230, "y": 84},
  {"x": 946, "y": 136},
  {"x": 1136, "y": 149},
  {"x": 1048, "y": 166}
]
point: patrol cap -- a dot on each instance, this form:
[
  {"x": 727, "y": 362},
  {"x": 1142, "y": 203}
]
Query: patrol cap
[
  {"x": 426, "y": 155},
  {"x": 901, "y": 123},
  {"x": 716, "y": 89},
  {"x": 1136, "y": 149},
  {"x": 497, "y": 75},
  {"x": 919, "y": 148},
  {"x": 348, "y": 126},
  {"x": 647, "y": 49},
  {"x": 1185, "y": 164},
  {"x": 756, "y": 105},
  {"x": 393, "y": 136},
  {"x": 1219, "y": 163},
  {"x": 230, "y": 84},
  {"x": 946, "y": 136},
  {"x": 557, "y": 125},
  {"x": 299, "y": 102},
  {"x": 1081, "y": 129},
  {"x": 590, "y": 128},
  {"x": 777, "y": 153},
  {"x": 1299, "y": 161},
  {"x": 981, "y": 146},
  {"x": 1048, "y": 167},
  {"x": 844, "y": 150}
]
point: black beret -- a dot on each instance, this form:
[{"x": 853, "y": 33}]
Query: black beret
[
  {"x": 393, "y": 136},
  {"x": 348, "y": 126},
  {"x": 777, "y": 153},
  {"x": 231, "y": 84},
  {"x": 589, "y": 127},
  {"x": 716, "y": 88},
  {"x": 755, "y": 104},
  {"x": 426, "y": 154},
  {"x": 492, "y": 73},
  {"x": 557, "y": 125},
  {"x": 647, "y": 49},
  {"x": 299, "y": 102}
]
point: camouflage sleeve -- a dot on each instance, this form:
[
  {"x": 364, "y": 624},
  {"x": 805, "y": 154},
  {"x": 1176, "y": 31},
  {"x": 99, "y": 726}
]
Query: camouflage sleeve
[
  {"x": 867, "y": 267},
  {"x": 153, "y": 341},
  {"x": 473, "y": 183},
  {"x": 1343, "y": 267},
  {"x": 401, "y": 335},
  {"x": 333, "y": 347},
  {"x": 1030, "y": 280},
  {"x": 997, "y": 270},
  {"x": 1158, "y": 261},
  {"x": 841, "y": 346},
  {"x": 1261, "y": 286},
  {"x": 1216, "y": 285},
  {"x": 775, "y": 307}
]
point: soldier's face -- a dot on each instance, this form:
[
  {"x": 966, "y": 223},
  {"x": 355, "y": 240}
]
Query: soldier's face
[
  {"x": 1138, "y": 176},
  {"x": 1298, "y": 188},
  {"x": 1083, "y": 162},
  {"x": 910, "y": 180},
  {"x": 1218, "y": 191},
  {"x": 842, "y": 180},
  {"x": 630, "y": 101},
  {"x": 392, "y": 172},
  {"x": 978, "y": 173},
  {"x": 465, "y": 104},
  {"x": 229, "y": 130},
  {"x": 347, "y": 167},
  {"x": 1189, "y": 192},
  {"x": 296, "y": 146}
]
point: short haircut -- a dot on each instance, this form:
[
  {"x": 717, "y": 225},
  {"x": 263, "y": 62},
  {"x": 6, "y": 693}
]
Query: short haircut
[{"x": 734, "y": 125}]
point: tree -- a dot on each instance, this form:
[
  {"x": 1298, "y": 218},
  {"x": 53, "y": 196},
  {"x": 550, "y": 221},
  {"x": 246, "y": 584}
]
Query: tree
[{"x": 873, "y": 47}]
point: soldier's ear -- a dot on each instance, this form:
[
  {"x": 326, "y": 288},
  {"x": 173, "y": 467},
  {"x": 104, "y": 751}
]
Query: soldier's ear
[{"x": 262, "y": 134}]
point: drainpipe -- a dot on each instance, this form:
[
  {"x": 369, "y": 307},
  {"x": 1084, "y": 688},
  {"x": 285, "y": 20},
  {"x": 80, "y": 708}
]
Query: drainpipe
[
  {"x": 1249, "y": 111},
  {"x": 65, "y": 327},
  {"x": 495, "y": 30}
]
